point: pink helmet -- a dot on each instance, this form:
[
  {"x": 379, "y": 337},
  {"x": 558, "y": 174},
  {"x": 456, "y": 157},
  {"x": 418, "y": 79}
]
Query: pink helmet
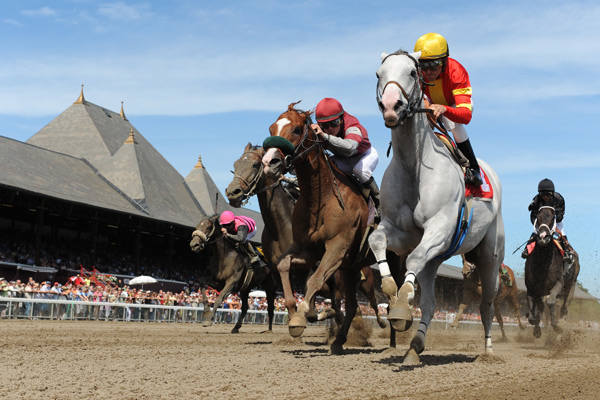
[
  {"x": 227, "y": 217},
  {"x": 328, "y": 109}
]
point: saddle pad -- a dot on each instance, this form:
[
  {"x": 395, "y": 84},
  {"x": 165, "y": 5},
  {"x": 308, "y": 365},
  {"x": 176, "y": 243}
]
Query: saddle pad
[
  {"x": 484, "y": 191},
  {"x": 531, "y": 246}
]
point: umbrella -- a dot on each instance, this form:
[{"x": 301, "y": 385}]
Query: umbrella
[
  {"x": 258, "y": 293},
  {"x": 142, "y": 280}
]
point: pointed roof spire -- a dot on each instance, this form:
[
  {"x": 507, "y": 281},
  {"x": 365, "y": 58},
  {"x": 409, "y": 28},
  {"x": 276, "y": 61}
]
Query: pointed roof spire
[
  {"x": 123, "y": 113},
  {"x": 81, "y": 99},
  {"x": 131, "y": 139},
  {"x": 199, "y": 164}
]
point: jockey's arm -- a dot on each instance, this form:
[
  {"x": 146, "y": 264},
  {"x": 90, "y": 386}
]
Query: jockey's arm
[
  {"x": 240, "y": 236},
  {"x": 341, "y": 147}
]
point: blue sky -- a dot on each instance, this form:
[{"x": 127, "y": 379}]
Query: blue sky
[{"x": 205, "y": 78}]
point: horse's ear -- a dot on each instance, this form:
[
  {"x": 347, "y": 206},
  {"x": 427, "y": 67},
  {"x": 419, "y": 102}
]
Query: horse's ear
[
  {"x": 248, "y": 146},
  {"x": 383, "y": 55},
  {"x": 416, "y": 55}
]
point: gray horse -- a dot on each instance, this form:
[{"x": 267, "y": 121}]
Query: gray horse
[{"x": 422, "y": 193}]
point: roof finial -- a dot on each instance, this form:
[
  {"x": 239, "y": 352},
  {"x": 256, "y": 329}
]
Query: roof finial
[
  {"x": 131, "y": 139},
  {"x": 199, "y": 164},
  {"x": 123, "y": 113},
  {"x": 81, "y": 99}
]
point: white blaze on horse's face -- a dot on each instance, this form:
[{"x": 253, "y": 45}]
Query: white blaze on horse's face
[{"x": 281, "y": 124}]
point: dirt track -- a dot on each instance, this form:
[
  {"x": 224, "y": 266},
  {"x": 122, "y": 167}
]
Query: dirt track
[{"x": 104, "y": 360}]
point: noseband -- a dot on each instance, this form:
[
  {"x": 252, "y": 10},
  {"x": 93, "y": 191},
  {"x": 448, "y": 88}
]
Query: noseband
[
  {"x": 553, "y": 229},
  {"x": 414, "y": 99}
]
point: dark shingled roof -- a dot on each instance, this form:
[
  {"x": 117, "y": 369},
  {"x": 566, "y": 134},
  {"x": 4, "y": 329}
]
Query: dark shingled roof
[{"x": 95, "y": 156}]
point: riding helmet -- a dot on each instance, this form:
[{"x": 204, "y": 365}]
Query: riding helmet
[
  {"x": 328, "y": 109},
  {"x": 227, "y": 217},
  {"x": 546, "y": 185},
  {"x": 432, "y": 46}
]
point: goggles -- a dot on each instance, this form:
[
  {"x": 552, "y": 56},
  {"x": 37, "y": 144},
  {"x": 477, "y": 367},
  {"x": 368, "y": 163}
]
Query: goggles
[
  {"x": 430, "y": 65},
  {"x": 330, "y": 124},
  {"x": 544, "y": 194}
]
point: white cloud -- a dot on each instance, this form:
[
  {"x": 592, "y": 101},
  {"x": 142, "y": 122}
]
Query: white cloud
[
  {"x": 42, "y": 12},
  {"x": 125, "y": 12},
  {"x": 12, "y": 22}
]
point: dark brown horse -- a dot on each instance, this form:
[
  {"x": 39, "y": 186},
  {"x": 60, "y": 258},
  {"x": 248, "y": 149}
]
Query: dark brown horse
[
  {"x": 228, "y": 268},
  {"x": 544, "y": 273},
  {"x": 329, "y": 223},
  {"x": 507, "y": 291},
  {"x": 276, "y": 200}
]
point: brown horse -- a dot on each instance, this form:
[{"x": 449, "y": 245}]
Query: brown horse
[
  {"x": 545, "y": 275},
  {"x": 507, "y": 291},
  {"x": 276, "y": 200},
  {"x": 329, "y": 224},
  {"x": 228, "y": 268}
]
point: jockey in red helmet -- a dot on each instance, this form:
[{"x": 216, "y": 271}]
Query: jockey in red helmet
[{"x": 348, "y": 140}]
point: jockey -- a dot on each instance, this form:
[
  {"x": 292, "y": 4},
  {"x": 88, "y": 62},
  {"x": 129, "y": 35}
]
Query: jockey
[
  {"x": 547, "y": 196},
  {"x": 349, "y": 142},
  {"x": 240, "y": 229},
  {"x": 448, "y": 92}
]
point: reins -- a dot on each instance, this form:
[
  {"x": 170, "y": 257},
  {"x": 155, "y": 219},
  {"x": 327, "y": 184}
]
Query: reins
[{"x": 319, "y": 145}]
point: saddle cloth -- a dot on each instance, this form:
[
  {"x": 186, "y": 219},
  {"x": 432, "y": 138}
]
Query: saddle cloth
[{"x": 484, "y": 191}]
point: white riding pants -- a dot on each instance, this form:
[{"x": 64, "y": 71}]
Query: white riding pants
[{"x": 361, "y": 165}]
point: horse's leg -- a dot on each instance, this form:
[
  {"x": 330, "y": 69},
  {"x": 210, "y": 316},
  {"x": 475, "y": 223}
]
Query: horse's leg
[
  {"x": 367, "y": 286},
  {"x": 426, "y": 279},
  {"x": 227, "y": 290},
  {"x": 349, "y": 278},
  {"x": 513, "y": 303},
  {"x": 551, "y": 301},
  {"x": 330, "y": 262},
  {"x": 466, "y": 300},
  {"x": 488, "y": 273},
  {"x": 499, "y": 316},
  {"x": 399, "y": 314},
  {"x": 536, "y": 307},
  {"x": 244, "y": 311}
]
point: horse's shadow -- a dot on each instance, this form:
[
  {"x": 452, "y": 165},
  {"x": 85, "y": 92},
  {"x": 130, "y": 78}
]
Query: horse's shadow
[
  {"x": 324, "y": 352},
  {"x": 427, "y": 361}
]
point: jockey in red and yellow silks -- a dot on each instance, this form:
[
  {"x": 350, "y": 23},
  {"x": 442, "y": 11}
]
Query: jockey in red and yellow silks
[{"x": 449, "y": 95}]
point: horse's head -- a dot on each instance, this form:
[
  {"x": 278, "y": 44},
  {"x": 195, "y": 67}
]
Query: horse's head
[
  {"x": 399, "y": 93},
  {"x": 545, "y": 224},
  {"x": 468, "y": 270},
  {"x": 247, "y": 174},
  {"x": 287, "y": 141},
  {"x": 205, "y": 230}
]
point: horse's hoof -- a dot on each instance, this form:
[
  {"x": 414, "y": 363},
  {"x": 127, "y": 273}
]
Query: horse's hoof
[
  {"x": 382, "y": 323},
  {"x": 296, "y": 331},
  {"x": 537, "y": 332},
  {"x": 336, "y": 349},
  {"x": 235, "y": 330},
  {"x": 400, "y": 317},
  {"x": 388, "y": 287},
  {"x": 326, "y": 314},
  {"x": 206, "y": 324},
  {"x": 411, "y": 358}
]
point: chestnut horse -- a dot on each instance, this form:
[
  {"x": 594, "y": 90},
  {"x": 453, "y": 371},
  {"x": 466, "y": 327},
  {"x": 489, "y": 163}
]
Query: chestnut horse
[
  {"x": 228, "y": 268},
  {"x": 472, "y": 291},
  {"x": 544, "y": 273},
  {"x": 276, "y": 200},
  {"x": 329, "y": 224}
]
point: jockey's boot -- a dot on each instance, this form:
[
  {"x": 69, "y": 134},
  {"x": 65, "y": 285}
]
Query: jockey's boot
[
  {"x": 525, "y": 252},
  {"x": 373, "y": 191},
  {"x": 254, "y": 259},
  {"x": 472, "y": 176},
  {"x": 568, "y": 257}
]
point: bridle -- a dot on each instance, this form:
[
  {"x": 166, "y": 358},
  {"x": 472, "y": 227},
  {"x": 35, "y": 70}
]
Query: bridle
[
  {"x": 551, "y": 230},
  {"x": 415, "y": 98},
  {"x": 250, "y": 187},
  {"x": 204, "y": 237},
  {"x": 302, "y": 148}
]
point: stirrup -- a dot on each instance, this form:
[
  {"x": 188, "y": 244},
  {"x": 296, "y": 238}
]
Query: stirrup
[{"x": 525, "y": 253}]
